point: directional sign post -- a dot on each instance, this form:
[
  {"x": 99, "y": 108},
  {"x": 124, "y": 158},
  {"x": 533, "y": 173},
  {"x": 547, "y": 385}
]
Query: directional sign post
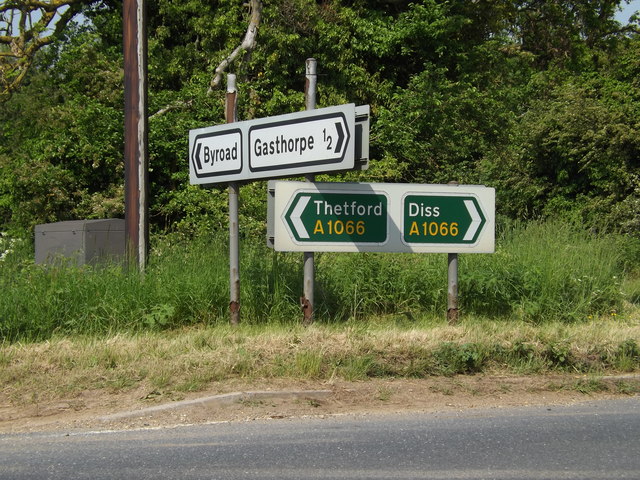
[
  {"x": 301, "y": 142},
  {"x": 217, "y": 153},
  {"x": 430, "y": 218},
  {"x": 357, "y": 218},
  {"x": 312, "y": 141},
  {"x": 378, "y": 217}
]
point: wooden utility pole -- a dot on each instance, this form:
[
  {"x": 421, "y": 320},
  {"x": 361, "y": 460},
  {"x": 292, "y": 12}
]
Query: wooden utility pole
[{"x": 136, "y": 158}]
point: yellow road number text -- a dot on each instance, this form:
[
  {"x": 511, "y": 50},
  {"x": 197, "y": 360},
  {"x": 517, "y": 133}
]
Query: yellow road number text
[
  {"x": 339, "y": 227},
  {"x": 434, "y": 229}
]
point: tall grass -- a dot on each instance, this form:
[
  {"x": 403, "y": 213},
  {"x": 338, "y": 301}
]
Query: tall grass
[
  {"x": 540, "y": 272},
  {"x": 184, "y": 284}
]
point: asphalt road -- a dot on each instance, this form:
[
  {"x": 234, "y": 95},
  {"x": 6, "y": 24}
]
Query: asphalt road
[{"x": 596, "y": 440}]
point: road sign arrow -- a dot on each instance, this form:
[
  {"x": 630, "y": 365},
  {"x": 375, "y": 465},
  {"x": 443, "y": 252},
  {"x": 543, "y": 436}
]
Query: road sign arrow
[
  {"x": 216, "y": 152},
  {"x": 296, "y": 216},
  {"x": 441, "y": 218},
  {"x": 196, "y": 157},
  {"x": 476, "y": 220},
  {"x": 330, "y": 217},
  {"x": 303, "y": 142},
  {"x": 341, "y": 136}
]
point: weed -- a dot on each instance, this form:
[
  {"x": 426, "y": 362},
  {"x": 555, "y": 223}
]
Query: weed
[
  {"x": 159, "y": 316},
  {"x": 441, "y": 389},
  {"x": 626, "y": 357},
  {"x": 5, "y": 357},
  {"x": 194, "y": 382},
  {"x": 521, "y": 356},
  {"x": 628, "y": 387},
  {"x": 590, "y": 385},
  {"x": 630, "y": 349},
  {"x": 555, "y": 387},
  {"x": 244, "y": 364},
  {"x": 558, "y": 355},
  {"x": 122, "y": 381},
  {"x": 309, "y": 364},
  {"x": 154, "y": 394},
  {"x": 385, "y": 394},
  {"x": 522, "y": 351},
  {"x": 452, "y": 358},
  {"x": 250, "y": 402},
  {"x": 360, "y": 367},
  {"x": 631, "y": 288}
]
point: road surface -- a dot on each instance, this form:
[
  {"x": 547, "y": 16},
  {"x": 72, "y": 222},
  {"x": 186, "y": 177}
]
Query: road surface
[{"x": 595, "y": 440}]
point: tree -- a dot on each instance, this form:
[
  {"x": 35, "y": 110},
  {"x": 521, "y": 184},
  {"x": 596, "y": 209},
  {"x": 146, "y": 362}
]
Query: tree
[
  {"x": 27, "y": 26},
  {"x": 458, "y": 90},
  {"x": 574, "y": 151}
]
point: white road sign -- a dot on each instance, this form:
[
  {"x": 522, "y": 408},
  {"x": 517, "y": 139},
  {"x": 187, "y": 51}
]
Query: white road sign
[
  {"x": 298, "y": 142},
  {"x": 217, "y": 153},
  {"x": 379, "y": 217},
  {"x": 313, "y": 141}
]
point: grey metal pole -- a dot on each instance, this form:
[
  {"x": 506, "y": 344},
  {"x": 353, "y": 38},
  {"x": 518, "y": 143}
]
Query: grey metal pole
[
  {"x": 136, "y": 157},
  {"x": 307, "y": 300},
  {"x": 452, "y": 289},
  {"x": 234, "y": 237},
  {"x": 452, "y": 284}
]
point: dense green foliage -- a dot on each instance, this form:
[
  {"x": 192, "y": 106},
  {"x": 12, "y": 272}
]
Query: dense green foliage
[
  {"x": 538, "y": 99},
  {"x": 576, "y": 277}
]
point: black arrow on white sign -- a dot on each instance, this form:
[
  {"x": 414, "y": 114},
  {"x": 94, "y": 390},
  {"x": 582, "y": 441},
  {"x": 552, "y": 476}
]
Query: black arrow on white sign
[
  {"x": 341, "y": 136},
  {"x": 196, "y": 157}
]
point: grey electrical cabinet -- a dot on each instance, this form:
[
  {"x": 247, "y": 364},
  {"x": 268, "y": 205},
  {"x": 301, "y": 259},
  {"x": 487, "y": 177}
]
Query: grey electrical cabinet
[{"x": 81, "y": 241}]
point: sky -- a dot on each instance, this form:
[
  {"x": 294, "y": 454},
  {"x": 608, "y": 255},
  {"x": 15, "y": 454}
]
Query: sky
[{"x": 627, "y": 11}]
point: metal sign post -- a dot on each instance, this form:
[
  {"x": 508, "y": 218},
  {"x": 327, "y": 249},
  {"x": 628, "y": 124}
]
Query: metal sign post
[
  {"x": 307, "y": 299},
  {"x": 452, "y": 284},
  {"x": 234, "y": 236},
  {"x": 452, "y": 288}
]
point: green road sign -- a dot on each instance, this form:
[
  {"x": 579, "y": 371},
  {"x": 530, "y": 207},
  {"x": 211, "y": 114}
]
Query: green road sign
[
  {"x": 441, "y": 219},
  {"x": 380, "y": 217},
  {"x": 321, "y": 217}
]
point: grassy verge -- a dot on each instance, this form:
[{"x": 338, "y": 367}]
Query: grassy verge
[
  {"x": 551, "y": 299},
  {"x": 194, "y": 359},
  {"x": 540, "y": 273}
]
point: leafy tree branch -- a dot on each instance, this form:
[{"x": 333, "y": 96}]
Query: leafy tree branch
[{"x": 25, "y": 27}]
